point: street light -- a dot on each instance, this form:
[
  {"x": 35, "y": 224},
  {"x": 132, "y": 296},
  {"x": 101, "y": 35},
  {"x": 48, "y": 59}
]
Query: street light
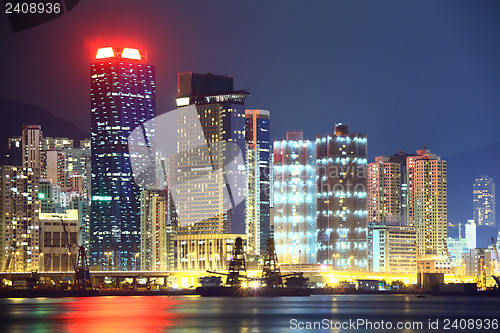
[
  {"x": 136, "y": 258},
  {"x": 42, "y": 262},
  {"x": 109, "y": 257}
]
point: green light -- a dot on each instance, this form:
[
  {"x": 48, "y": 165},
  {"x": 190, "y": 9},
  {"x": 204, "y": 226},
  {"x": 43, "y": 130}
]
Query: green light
[
  {"x": 41, "y": 195},
  {"x": 101, "y": 198}
]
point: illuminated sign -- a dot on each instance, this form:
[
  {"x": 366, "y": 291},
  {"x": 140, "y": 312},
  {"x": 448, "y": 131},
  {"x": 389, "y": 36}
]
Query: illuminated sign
[
  {"x": 101, "y": 198},
  {"x": 105, "y": 52},
  {"x": 182, "y": 101},
  {"x": 131, "y": 54},
  {"x": 127, "y": 53}
]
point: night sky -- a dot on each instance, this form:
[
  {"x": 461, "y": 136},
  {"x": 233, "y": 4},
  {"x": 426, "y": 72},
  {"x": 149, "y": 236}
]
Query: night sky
[{"x": 407, "y": 73}]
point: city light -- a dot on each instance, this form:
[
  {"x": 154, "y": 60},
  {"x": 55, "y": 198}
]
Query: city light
[
  {"x": 105, "y": 52},
  {"x": 131, "y": 54}
]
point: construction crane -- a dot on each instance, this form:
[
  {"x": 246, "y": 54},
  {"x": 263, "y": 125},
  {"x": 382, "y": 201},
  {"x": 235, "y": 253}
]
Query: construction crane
[
  {"x": 237, "y": 274},
  {"x": 481, "y": 275},
  {"x": 271, "y": 275},
  {"x": 496, "y": 261},
  {"x": 83, "y": 280}
]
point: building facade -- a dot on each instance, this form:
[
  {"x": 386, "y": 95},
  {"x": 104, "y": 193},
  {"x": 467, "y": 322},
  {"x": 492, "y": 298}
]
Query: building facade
[
  {"x": 383, "y": 188},
  {"x": 427, "y": 203},
  {"x": 153, "y": 254},
  {"x": 341, "y": 199},
  {"x": 258, "y": 164},
  {"x": 484, "y": 203},
  {"x": 210, "y": 180},
  {"x": 59, "y": 232},
  {"x": 32, "y": 138},
  {"x": 295, "y": 199},
  {"x": 19, "y": 222},
  {"x": 122, "y": 98},
  {"x": 392, "y": 248}
]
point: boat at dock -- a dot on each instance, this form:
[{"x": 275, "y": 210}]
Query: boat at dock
[{"x": 238, "y": 284}]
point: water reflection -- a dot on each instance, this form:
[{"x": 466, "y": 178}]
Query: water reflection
[
  {"x": 120, "y": 314},
  {"x": 245, "y": 315}
]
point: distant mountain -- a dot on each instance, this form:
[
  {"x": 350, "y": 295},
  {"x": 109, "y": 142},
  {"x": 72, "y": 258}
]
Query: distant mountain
[
  {"x": 463, "y": 169},
  {"x": 14, "y": 114}
]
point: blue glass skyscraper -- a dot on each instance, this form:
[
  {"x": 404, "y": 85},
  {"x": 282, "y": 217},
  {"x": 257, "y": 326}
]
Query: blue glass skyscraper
[
  {"x": 258, "y": 180},
  {"x": 122, "y": 98}
]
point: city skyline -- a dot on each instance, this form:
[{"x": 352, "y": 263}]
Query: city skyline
[
  {"x": 376, "y": 86},
  {"x": 203, "y": 163},
  {"x": 407, "y": 74},
  {"x": 53, "y": 157}
]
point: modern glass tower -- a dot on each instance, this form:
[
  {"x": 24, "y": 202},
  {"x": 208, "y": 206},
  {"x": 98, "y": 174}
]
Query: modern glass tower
[
  {"x": 122, "y": 98},
  {"x": 258, "y": 152},
  {"x": 210, "y": 174}
]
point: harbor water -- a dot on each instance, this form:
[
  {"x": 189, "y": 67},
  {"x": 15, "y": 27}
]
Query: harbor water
[{"x": 321, "y": 313}]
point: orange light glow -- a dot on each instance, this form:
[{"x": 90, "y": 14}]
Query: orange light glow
[
  {"x": 131, "y": 54},
  {"x": 142, "y": 314},
  {"x": 105, "y": 52}
]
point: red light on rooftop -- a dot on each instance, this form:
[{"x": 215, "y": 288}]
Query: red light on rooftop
[
  {"x": 105, "y": 52},
  {"x": 131, "y": 54}
]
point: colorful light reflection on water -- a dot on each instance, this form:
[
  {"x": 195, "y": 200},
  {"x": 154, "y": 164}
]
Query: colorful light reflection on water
[{"x": 244, "y": 315}]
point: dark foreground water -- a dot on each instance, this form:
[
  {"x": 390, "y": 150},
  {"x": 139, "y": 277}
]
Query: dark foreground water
[{"x": 346, "y": 313}]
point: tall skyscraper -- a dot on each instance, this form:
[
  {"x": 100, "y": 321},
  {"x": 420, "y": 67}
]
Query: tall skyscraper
[
  {"x": 295, "y": 199},
  {"x": 78, "y": 168},
  {"x": 341, "y": 200},
  {"x": 19, "y": 223},
  {"x": 427, "y": 203},
  {"x": 122, "y": 98},
  {"x": 53, "y": 166},
  {"x": 484, "y": 201},
  {"x": 258, "y": 150},
  {"x": 383, "y": 187},
  {"x": 153, "y": 255},
  {"x": 32, "y": 145},
  {"x": 212, "y": 178}
]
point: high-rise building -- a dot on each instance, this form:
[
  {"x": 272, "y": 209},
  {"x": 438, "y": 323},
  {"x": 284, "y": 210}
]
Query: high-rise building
[
  {"x": 53, "y": 166},
  {"x": 32, "y": 145},
  {"x": 484, "y": 201},
  {"x": 19, "y": 223},
  {"x": 50, "y": 197},
  {"x": 457, "y": 247},
  {"x": 15, "y": 152},
  {"x": 427, "y": 203},
  {"x": 383, "y": 188},
  {"x": 212, "y": 178},
  {"x": 392, "y": 248},
  {"x": 258, "y": 199},
  {"x": 401, "y": 158},
  {"x": 295, "y": 199},
  {"x": 153, "y": 254},
  {"x": 468, "y": 231},
  {"x": 122, "y": 98},
  {"x": 78, "y": 168},
  {"x": 341, "y": 200}
]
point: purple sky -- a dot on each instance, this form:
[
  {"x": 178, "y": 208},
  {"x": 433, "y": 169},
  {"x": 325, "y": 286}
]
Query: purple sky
[{"x": 407, "y": 73}]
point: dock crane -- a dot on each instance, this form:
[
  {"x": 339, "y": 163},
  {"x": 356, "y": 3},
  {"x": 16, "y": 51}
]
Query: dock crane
[
  {"x": 495, "y": 250},
  {"x": 83, "y": 280}
]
